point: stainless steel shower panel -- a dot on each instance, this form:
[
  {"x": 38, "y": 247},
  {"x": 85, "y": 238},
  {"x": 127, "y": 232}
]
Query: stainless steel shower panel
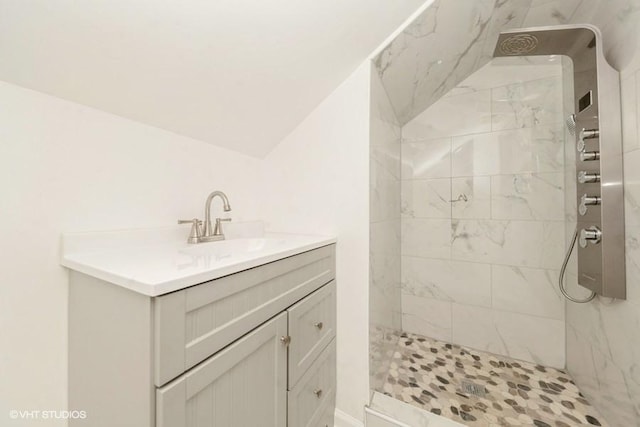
[{"x": 598, "y": 138}]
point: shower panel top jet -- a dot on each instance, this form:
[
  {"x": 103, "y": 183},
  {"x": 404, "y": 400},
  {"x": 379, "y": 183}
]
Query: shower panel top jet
[{"x": 597, "y": 128}]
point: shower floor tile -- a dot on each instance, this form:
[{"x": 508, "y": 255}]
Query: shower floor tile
[{"x": 482, "y": 389}]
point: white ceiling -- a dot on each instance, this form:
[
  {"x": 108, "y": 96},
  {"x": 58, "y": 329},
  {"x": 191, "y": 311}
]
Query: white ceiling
[{"x": 237, "y": 73}]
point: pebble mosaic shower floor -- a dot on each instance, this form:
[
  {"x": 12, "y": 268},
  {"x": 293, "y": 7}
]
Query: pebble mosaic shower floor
[{"x": 482, "y": 389}]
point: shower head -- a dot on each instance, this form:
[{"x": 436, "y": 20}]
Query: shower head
[
  {"x": 518, "y": 44},
  {"x": 571, "y": 124}
]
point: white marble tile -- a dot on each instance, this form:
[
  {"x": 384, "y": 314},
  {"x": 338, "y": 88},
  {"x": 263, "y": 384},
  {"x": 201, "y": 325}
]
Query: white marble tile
[
  {"x": 585, "y": 11},
  {"x": 507, "y": 15},
  {"x": 580, "y": 363},
  {"x": 385, "y": 132},
  {"x": 472, "y": 197},
  {"x": 407, "y": 414},
  {"x": 385, "y": 237},
  {"x": 381, "y": 109},
  {"x": 382, "y": 344},
  {"x": 537, "y": 149},
  {"x": 528, "y": 104},
  {"x": 426, "y": 316},
  {"x": 384, "y": 202},
  {"x": 528, "y": 196},
  {"x": 550, "y": 12},
  {"x": 618, "y": 22},
  {"x": 608, "y": 387},
  {"x": 531, "y": 338},
  {"x": 537, "y": 244},
  {"x": 384, "y": 274},
  {"x": 434, "y": 53},
  {"x": 428, "y": 198},
  {"x": 475, "y": 327},
  {"x": 504, "y": 71},
  {"x": 632, "y": 188},
  {"x": 632, "y": 248},
  {"x": 426, "y": 159},
  {"x": 384, "y": 291},
  {"x": 387, "y": 157},
  {"x": 445, "y": 280},
  {"x": 603, "y": 346},
  {"x": 527, "y": 291},
  {"x": 429, "y": 238},
  {"x": 450, "y": 116},
  {"x": 384, "y": 199}
]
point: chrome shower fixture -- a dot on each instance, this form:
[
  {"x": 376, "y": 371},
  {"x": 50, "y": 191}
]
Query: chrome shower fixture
[
  {"x": 597, "y": 130},
  {"x": 571, "y": 124}
]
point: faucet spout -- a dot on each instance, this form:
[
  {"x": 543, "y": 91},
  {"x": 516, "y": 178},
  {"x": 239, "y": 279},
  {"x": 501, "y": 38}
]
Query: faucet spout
[{"x": 208, "y": 228}]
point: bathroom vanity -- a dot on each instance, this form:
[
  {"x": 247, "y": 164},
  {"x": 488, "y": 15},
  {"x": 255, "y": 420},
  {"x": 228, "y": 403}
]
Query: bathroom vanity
[{"x": 233, "y": 333}]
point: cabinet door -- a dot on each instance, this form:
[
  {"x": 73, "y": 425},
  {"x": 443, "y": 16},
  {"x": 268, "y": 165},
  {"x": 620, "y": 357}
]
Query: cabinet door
[
  {"x": 243, "y": 385},
  {"x": 196, "y": 322}
]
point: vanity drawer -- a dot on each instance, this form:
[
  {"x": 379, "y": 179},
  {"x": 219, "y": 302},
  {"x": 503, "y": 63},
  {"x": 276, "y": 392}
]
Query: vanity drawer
[
  {"x": 192, "y": 324},
  {"x": 314, "y": 395},
  {"x": 312, "y": 325}
]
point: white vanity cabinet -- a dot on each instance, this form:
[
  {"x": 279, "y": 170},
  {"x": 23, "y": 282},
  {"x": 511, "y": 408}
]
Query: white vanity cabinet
[{"x": 252, "y": 349}]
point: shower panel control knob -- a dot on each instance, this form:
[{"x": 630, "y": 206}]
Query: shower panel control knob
[
  {"x": 586, "y": 134},
  {"x": 587, "y": 201},
  {"x": 588, "y": 156},
  {"x": 591, "y": 234},
  {"x": 589, "y": 134},
  {"x": 586, "y": 177}
]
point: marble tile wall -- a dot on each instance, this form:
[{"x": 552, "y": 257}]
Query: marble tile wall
[
  {"x": 384, "y": 290},
  {"x": 450, "y": 40},
  {"x": 442, "y": 47},
  {"x": 429, "y": 60},
  {"x": 482, "y": 200},
  {"x": 616, "y": 19},
  {"x": 603, "y": 337}
]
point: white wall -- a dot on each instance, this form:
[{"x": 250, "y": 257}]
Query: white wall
[
  {"x": 317, "y": 181},
  {"x": 65, "y": 167}
]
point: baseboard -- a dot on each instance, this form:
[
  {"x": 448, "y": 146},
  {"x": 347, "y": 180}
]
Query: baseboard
[{"x": 345, "y": 420}]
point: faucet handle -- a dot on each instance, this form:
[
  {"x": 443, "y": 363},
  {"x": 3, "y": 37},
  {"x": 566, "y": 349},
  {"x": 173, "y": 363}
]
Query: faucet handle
[
  {"x": 217, "y": 231},
  {"x": 196, "y": 230}
]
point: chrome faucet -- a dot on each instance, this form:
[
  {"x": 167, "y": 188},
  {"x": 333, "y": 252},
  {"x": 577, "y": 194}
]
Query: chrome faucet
[{"x": 210, "y": 234}]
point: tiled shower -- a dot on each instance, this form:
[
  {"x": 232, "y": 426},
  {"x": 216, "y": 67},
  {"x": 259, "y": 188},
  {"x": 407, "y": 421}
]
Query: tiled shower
[
  {"x": 472, "y": 207},
  {"x": 468, "y": 222},
  {"x": 482, "y": 205}
]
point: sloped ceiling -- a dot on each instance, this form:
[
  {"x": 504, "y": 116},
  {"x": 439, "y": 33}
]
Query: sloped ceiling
[
  {"x": 237, "y": 73},
  {"x": 452, "y": 39}
]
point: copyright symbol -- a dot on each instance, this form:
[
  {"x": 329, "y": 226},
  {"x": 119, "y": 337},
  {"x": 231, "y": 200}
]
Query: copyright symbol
[{"x": 13, "y": 415}]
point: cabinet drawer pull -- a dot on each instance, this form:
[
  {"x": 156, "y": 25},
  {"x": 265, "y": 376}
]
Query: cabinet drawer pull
[
  {"x": 286, "y": 340},
  {"x": 319, "y": 325},
  {"x": 317, "y": 392}
]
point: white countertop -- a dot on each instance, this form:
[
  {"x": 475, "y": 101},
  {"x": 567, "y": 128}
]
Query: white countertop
[{"x": 157, "y": 261}]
